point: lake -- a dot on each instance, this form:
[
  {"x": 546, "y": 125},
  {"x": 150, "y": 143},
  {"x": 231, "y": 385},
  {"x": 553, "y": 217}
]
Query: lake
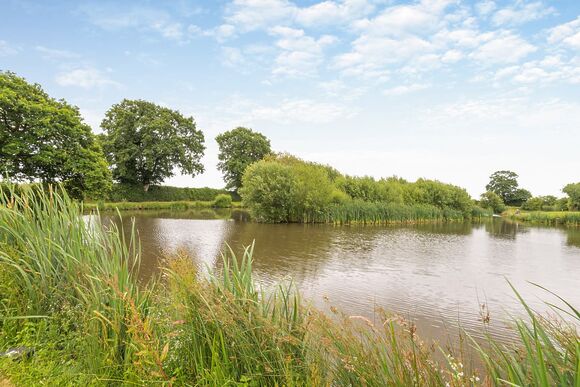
[{"x": 436, "y": 274}]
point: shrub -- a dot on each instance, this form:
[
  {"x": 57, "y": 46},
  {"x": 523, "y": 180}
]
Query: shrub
[
  {"x": 492, "y": 201},
  {"x": 222, "y": 201}
]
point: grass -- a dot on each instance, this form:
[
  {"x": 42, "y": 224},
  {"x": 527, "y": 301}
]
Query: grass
[
  {"x": 361, "y": 212},
  {"x": 177, "y": 205},
  {"x": 70, "y": 291},
  {"x": 570, "y": 218}
]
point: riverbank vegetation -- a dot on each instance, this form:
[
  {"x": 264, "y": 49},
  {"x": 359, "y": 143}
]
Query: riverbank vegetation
[
  {"x": 284, "y": 188},
  {"x": 72, "y": 302},
  {"x": 550, "y": 218}
]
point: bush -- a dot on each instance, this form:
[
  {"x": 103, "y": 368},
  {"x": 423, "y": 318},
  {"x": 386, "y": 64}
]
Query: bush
[
  {"x": 222, "y": 201},
  {"x": 492, "y": 201},
  {"x": 287, "y": 190}
]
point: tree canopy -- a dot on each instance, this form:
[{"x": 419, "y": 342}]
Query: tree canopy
[
  {"x": 145, "y": 142},
  {"x": 238, "y": 148},
  {"x": 505, "y": 184},
  {"x": 573, "y": 192},
  {"x": 42, "y": 139}
]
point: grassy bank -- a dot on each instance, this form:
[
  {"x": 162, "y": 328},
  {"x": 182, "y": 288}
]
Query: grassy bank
[
  {"x": 569, "y": 218},
  {"x": 179, "y": 205},
  {"x": 70, "y": 295}
]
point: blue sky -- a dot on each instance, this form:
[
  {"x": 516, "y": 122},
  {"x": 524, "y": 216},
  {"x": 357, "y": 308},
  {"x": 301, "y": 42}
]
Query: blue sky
[{"x": 444, "y": 89}]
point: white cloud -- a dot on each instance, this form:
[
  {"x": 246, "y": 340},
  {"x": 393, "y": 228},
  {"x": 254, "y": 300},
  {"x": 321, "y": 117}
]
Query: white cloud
[
  {"x": 250, "y": 15},
  {"x": 145, "y": 19},
  {"x": 521, "y": 13},
  {"x": 405, "y": 89},
  {"x": 6, "y": 49},
  {"x": 86, "y": 78},
  {"x": 333, "y": 12},
  {"x": 485, "y": 7},
  {"x": 567, "y": 34},
  {"x": 300, "y": 54},
  {"x": 548, "y": 70},
  {"x": 503, "y": 47},
  {"x": 55, "y": 54}
]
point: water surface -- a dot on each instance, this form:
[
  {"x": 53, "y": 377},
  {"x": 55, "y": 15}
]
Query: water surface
[{"x": 436, "y": 274}]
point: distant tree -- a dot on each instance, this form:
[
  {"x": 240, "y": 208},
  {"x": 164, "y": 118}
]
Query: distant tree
[
  {"x": 519, "y": 197},
  {"x": 42, "y": 139},
  {"x": 145, "y": 142},
  {"x": 505, "y": 184},
  {"x": 573, "y": 192},
  {"x": 492, "y": 201},
  {"x": 239, "y": 148}
]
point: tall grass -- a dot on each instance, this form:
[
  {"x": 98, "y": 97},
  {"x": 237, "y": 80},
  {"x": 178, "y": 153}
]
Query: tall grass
[
  {"x": 570, "y": 218},
  {"x": 69, "y": 290},
  {"x": 361, "y": 212}
]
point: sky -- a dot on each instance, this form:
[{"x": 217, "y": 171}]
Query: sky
[{"x": 451, "y": 90}]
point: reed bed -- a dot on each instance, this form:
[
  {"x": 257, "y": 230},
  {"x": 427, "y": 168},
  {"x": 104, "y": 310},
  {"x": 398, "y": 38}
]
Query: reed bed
[
  {"x": 361, "y": 212},
  {"x": 69, "y": 290},
  {"x": 568, "y": 218}
]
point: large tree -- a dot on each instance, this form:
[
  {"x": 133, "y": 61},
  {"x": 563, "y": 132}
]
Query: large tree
[
  {"x": 145, "y": 142},
  {"x": 505, "y": 184},
  {"x": 42, "y": 139},
  {"x": 239, "y": 148}
]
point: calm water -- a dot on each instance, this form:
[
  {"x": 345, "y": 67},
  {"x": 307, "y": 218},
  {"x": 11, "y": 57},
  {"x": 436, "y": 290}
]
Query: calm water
[{"x": 437, "y": 275}]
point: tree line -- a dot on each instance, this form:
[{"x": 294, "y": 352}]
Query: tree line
[{"x": 46, "y": 140}]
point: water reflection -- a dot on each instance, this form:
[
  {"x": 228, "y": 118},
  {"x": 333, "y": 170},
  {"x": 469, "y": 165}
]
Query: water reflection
[{"x": 437, "y": 273}]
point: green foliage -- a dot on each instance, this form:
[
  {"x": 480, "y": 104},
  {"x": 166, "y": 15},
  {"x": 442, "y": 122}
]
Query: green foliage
[
  {"x": 145, "y": 142},
  {"x": 380, "y": 213},
  {"x": 541, "y": 203},
  {"x": 492, "y": 201},
  {"x": 45, "y": 139},
  {"x": 163, "y": 193},
  {"x": 239, "y": 148},
  {"x": 307, "y": 192},
  {"x": 222, "y": 201},
  {"x": 267, "y": 190},
  {"x": 505, "y": 184},
  {"x": 283, "y": 188},
  {"x": 573, "y": 192}
]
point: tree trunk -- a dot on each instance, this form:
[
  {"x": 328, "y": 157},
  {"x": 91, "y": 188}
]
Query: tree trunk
[{"x": 146, "y": 187}]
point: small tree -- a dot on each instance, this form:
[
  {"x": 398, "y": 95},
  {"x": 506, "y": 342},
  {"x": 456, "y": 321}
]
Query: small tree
[
  {"x": 492, "y": 201},
  {"x": 239, "y": 148},
  {"x": 42, "y": 139},
  {"x": 573, "y": 192},
  {"x": 145, "y": 142}
]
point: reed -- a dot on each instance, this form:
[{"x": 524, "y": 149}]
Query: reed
[
  {"x": 568, "y": 218},
  {"x": 361, "y": 212},
  {"x": 69, "y": 289}
]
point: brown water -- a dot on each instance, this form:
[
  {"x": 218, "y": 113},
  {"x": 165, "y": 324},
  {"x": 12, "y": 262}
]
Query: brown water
[{"x": 436, "y": 274}]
